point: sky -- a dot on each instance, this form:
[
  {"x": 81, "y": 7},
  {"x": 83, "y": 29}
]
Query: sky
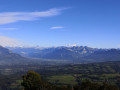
[{"x": 47, "y": 23}]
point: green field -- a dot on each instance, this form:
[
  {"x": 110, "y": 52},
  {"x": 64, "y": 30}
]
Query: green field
[{"x": 62, "y": 79}]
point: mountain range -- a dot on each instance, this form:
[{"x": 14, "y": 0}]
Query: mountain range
[
  {"x": 74, "y": 54},
  {"x": 77, "y": 54}
]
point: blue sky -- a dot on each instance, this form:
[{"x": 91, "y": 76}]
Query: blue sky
[{"x": 94, "y": 23}]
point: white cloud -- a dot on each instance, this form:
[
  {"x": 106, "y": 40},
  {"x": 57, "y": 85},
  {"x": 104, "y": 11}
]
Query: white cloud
[
  {"x": 6, "y": 41},
  {"x": 56, "y": 27},
  {"x": 12, "y": 17}
]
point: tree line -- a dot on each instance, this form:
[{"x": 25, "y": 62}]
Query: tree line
[{"x": 33, "y": 81}]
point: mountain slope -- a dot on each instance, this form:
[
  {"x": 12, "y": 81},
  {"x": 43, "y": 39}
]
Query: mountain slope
[
  {"x": 7, "y": 57},
  {"x": 76, "y": 54},
  {"x": 105, "y": 55},
  {"x": 54, "y": 53}
]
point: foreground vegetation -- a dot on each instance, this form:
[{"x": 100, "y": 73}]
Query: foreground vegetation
[
  {"x": 33, "y": 81},
  {"x": 67, "y": 76}
]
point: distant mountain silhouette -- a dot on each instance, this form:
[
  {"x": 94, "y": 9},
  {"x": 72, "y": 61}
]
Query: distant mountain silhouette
[{"x": 75, "y": 53}]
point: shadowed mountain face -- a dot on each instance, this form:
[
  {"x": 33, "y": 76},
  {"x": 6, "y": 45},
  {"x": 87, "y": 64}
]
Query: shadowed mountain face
[
  {"x": 7, "y": 57},
  {"x": 76, "y": 53},
  {"x": 55, "y": 53},
  {"x": 105, "y": 55}
]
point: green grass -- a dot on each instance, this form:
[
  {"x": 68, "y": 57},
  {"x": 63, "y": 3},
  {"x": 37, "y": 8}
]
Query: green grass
[
  {"x": 19, "y": 81},
  {"x": 111, "y": 75},
  {"x": 62, "y": 79}
]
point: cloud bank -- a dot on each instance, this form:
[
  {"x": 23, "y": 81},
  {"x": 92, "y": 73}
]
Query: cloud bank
[
  {"x": 6, "y": 41},
  {"x": 12, "y": 17}
]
